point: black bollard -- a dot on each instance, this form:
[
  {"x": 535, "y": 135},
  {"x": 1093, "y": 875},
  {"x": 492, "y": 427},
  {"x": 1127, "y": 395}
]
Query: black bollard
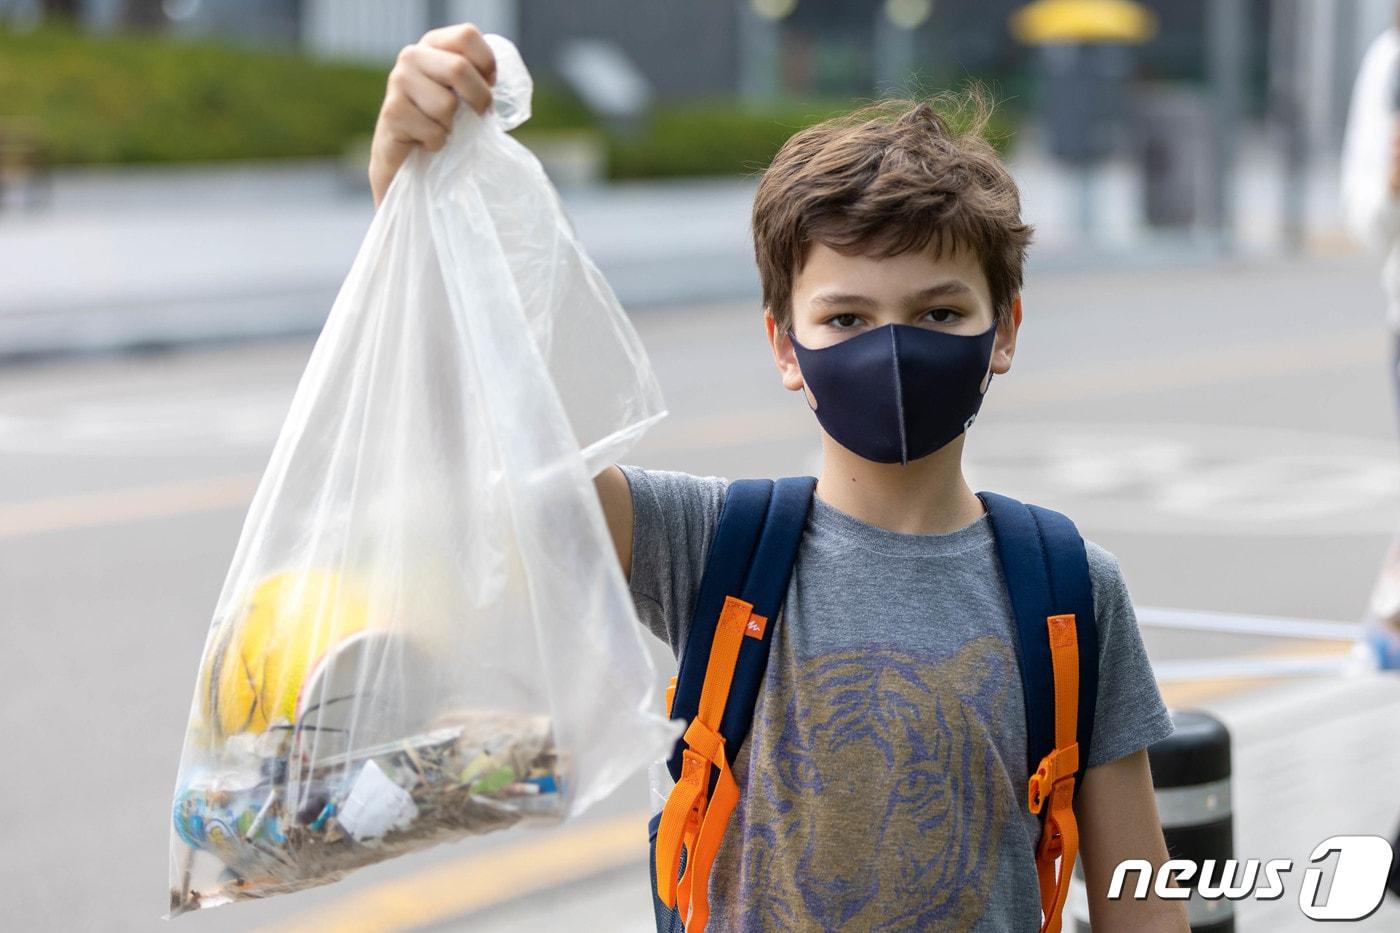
[{"x": 1191, "y": 777}]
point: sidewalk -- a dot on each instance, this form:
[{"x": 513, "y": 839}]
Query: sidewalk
[
  {"x": 1312, "y": 759},
  {"x": 127, "y": 257},
  {"x": 137, "y": 256}
]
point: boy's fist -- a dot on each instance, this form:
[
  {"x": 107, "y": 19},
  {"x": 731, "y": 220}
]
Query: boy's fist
[{"x": 428, "y": 79}]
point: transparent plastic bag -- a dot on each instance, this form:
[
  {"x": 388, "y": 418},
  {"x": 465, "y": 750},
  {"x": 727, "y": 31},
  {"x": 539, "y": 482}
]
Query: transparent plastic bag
[{"x": 425, "y": 633}]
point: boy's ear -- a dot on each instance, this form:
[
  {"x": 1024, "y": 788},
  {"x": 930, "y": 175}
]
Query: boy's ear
[
  {"x": 1005, "y": 347},
  {"x": 783, "y": 354}
]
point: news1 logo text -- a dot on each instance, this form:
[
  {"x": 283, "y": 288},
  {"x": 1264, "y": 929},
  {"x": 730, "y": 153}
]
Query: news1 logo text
[{"x": 1356, "y": 866}]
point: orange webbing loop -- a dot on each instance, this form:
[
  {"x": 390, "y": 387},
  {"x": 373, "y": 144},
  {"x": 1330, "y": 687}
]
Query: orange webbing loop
[
  {"x": 693, "y": 895},
  {"x": 719, "y": 673},
  {"x": 1053, "y": 781},
  {"x": 688, "y": 819},
  {"x": 684, "y": 807}
]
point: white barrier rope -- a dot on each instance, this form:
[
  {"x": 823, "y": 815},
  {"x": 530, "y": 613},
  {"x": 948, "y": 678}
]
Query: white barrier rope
[
  {"x": 1273, "y": 626},
  {"x": 1359, "y": 660}
]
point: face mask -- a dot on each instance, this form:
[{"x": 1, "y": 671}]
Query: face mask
[{"x": 898, "y": 392}]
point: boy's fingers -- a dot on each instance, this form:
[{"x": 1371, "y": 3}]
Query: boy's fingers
[
  {"x": 478, "y": 93},
  {"x": 433, "y": 100},
  {"x": 452, "y": 70},
  {"x": 412, "y": 125},
  {"x": 466, "y": 40}
]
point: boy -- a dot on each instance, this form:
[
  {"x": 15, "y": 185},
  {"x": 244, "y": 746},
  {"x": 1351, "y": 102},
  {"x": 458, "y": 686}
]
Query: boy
[{"x": 883, "y": 782}]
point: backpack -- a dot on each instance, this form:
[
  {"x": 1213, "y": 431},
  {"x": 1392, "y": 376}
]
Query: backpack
[{"x": 722, "y": 663}]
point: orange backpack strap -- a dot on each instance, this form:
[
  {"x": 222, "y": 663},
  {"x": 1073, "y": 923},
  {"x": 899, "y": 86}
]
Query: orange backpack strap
[
  {"x": 1047, "y": 578},
  {"x": 695, "y": 815},
  {"x": 1053, "y": 781},
  {"x": 721, "y": 669}
]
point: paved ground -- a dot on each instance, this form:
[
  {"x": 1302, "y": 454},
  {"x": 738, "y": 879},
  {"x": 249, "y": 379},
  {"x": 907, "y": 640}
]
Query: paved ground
[{"x": 1227, "y": 431}]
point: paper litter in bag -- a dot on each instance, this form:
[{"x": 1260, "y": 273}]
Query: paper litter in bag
[{"x": 425, "y": 633}]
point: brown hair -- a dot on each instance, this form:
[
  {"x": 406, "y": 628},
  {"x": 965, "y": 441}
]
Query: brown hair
[{"x": 887, "y": 178}]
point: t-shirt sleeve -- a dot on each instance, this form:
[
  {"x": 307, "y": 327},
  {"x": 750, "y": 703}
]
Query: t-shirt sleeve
[
  {"x": 673, "y": 518},
  {"x": 1129, "y": 714}
]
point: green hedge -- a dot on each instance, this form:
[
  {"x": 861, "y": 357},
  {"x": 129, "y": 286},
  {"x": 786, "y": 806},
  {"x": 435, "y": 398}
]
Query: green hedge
[
  {"x": 135, "y": 98},
  {"x": 720, "y": 138},
  {"x": 146, "y": 99},
  {"x": 140, "y": 98},
  {"x": 708, "y": 139}
]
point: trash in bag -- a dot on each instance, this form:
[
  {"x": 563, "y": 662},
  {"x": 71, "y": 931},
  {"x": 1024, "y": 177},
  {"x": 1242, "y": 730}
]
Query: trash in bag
[{"x": 425, "y": 632}]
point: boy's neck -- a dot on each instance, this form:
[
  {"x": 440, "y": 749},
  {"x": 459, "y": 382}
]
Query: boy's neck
[{"x": 927, "y": 496}]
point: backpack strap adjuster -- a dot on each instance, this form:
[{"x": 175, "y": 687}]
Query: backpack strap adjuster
[
  {"x": 703, "y": 742},
  {"x": 1060, "y": 765}
]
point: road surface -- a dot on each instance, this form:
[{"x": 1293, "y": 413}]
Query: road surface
[{"x": 1226, "y": 430}]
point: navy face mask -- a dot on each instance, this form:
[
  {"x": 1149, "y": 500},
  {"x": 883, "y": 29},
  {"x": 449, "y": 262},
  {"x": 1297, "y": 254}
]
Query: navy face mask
[{"x": 898, "y": 392}]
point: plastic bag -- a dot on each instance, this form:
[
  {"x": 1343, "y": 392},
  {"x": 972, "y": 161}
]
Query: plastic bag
[{"x": 425, "y": 632}]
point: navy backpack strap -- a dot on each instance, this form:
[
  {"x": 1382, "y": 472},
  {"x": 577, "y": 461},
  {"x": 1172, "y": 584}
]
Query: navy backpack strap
[
  {"x": 1072, "y": 592},
  {"x": 766, "y": 586},
  {"x": 747, "y": 569},
  {"x": 751, "y": 556},
  {"x": 1047, "y": 573}
]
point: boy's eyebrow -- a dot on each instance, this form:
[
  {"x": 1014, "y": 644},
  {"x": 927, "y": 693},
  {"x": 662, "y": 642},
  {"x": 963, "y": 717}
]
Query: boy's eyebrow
[
  {"x": 942, "y": 290},
  {"x": 838, "y": 299}
]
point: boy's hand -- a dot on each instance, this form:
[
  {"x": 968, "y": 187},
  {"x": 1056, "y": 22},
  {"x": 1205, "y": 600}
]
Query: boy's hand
[{"x": 428, "y": 79}]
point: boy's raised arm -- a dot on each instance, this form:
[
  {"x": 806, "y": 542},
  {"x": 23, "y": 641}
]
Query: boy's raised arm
[{"x": 616, "y": 497}]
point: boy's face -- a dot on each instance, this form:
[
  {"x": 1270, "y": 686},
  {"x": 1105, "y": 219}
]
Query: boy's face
[{"x": 836, "y": 297}]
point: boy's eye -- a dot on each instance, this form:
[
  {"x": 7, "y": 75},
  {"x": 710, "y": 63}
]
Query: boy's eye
[
  {"x": 844, "y": 320},
  {"x": 942, "y": 315}
]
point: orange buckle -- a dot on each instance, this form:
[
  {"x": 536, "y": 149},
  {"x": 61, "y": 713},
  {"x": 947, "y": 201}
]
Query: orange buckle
[{"x": 1059, "y": 765}]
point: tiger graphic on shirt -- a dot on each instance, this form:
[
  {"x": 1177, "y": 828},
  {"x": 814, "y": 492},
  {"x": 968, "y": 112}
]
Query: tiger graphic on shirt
[{"x": 913, "y": 796}]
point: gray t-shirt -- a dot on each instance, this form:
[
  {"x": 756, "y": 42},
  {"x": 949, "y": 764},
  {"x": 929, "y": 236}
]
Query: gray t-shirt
[{"x": 884, "y": 780}]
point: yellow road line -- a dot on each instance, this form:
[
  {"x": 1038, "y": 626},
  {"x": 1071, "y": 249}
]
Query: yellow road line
[
  {"x": 1207, "y": 367},
  {"x": 116, "y": 506},
  {"x": 538, "y": 862},
  {"x": 1196, "y": 692}
]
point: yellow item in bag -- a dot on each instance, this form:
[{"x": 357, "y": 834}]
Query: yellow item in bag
[{"x": 257, "y": 668}]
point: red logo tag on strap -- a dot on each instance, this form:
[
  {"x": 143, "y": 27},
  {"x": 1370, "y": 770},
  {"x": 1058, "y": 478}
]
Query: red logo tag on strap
[
  {"x": 1062, "y": 632},
  {"x": 756, "y": 626}
]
